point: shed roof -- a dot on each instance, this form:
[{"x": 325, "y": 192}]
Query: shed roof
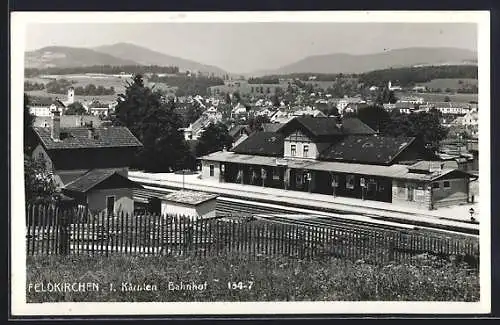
[
  {"x": 94, "y": 177},
  {"x": 189, "y": 197}
]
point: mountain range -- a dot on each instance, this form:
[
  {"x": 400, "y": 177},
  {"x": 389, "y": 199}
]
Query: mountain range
[
  {"x": 397, "y": 58},
  {"x": 130, "y": 54}
]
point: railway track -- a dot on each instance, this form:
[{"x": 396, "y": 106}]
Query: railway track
[{"x": 231, "y": 206}]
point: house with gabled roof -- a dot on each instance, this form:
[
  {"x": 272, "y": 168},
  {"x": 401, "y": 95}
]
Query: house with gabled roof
[
  {"x": 340, "y": 157},
  {"x": 103, "y": 191},
  {"x": 239, "y": 133},
  {"x": 83, "y": 159}
]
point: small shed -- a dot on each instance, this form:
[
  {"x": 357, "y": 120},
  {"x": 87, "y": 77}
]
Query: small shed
[
  {"x": 191, "y": 204},
  {"x": 103, "y": 191}
]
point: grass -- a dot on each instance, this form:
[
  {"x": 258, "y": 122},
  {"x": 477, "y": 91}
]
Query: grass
[{"x": 274, "y": 279}]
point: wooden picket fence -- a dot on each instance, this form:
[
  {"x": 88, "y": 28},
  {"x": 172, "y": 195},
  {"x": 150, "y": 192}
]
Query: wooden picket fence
[{"x": 53, "y": 231}]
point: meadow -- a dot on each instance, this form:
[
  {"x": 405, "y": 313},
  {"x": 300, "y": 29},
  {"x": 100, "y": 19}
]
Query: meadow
[
  {"x": 452, "y": 84},
  {"x": 262, "y": 279},
  {"x": 118, "y": 82}
]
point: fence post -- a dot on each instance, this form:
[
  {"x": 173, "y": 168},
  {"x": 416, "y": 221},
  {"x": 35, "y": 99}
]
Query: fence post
[{"x": 64, "y": 246}]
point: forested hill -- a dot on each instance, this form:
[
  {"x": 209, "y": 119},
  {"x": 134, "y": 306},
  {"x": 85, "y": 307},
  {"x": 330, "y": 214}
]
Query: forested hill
[
  {"x": 403, "y": 76},
  {"x": 410, "y": 76}
]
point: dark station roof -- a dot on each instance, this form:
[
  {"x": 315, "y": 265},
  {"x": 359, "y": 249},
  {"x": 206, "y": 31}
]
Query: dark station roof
[
  {"x": 356, "y": 126},
  {"x": 366, "y": 149},
  {"x": 262, "y": 143},
  {"x": 271, "y": 127},
  {"x": 326, "y": 126},
  {"x": 78, "y": 138}
]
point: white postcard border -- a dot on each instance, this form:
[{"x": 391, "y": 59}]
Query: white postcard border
[{"x": 19, "y": 307}]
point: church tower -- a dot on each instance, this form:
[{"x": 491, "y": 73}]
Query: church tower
[{"x": 71, "y": 96}]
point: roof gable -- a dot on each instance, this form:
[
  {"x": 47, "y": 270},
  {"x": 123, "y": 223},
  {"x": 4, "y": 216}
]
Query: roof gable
[{"x": 78, "y": 138}]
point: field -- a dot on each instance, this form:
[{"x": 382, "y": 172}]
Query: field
[
  {"x": 452, "y": 84},
  {"x": 439, "y": 97},
  {"x": 243, "y": 87},
  {"x": 107, "y": 81},
  {"x": 265, "y": 279}
]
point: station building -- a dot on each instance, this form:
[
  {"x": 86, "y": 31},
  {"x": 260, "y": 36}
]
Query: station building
[{"x": 344, "y": 158}]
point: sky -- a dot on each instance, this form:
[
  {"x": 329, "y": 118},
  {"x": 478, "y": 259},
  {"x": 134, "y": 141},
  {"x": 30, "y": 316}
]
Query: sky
[{"x": 248, "y": 47}]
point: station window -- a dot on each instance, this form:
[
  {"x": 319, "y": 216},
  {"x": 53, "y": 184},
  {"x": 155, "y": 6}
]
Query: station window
[
  {"x": 293, "y": 150},
  {"x": 446, "y": 184},
  {"x": 306, "y": 151},
  {"x": 435, "y": 185},
  {"x": 349, "y": 182},
  {"x": 212, "y": 170}
]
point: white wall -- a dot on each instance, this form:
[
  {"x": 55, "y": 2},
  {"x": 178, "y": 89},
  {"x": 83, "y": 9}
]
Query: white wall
[
  {"x": 204, "y": 210},
  {"x": 313, "y": 152},
  {"x": 96, "y": 200},
  {"x": 205, "y": 170}
]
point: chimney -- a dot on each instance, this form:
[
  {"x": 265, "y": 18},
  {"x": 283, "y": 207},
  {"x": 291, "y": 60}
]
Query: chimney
[{"x": 56, "y": 126}]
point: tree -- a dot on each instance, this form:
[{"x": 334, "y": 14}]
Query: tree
[
  {"x": 375, "y": 117},
  {"x": 255, "y": 123},
  {"x": 426, "y": 127},
  {"x": 276, "y": 101},
  {"x": 227, "y": 98},
  {"x": 156, "y": 124},
  {"x": 214, "y": 138},
  {"x": 386, "y": 96},
  {"x": 75, "y": 108},
  {"x": 191, "y": 113},
  {"x": 446, "y": 98},
  {"x": 237, "y": 96},
  {"x": 27, "y": 127},
  {"x": 38, "y": 182}
]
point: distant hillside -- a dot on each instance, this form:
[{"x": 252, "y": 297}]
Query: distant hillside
[
  {"x": 63, "y": 56},
  {"x": 146, "y": 56},
  {"x": 347, "y": 63}
]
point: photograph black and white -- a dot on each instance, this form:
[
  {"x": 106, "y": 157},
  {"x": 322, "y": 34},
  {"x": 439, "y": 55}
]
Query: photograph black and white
[{"x": 271, "y": 159}]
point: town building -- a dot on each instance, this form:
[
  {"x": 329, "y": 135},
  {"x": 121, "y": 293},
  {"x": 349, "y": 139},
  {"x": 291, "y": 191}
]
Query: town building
[
  {"x": 239, "y": 109},
  {"x": 412, "y": 100},
  {"x": 68, "y": 121},
  {"x": 103, "y": 191},
  {"x": 419, "y": 88},
  {"x": 239, "y": 133},
  {"x": 456, "y": 108},
  {"x": 344, "y": 158},
  {"x": 195, "y": 129},
  {"x": 391, "y": 87},
  {"x": 43, "y": 107},
  {"x": 189, "y": 204},
  {"x": 344, "y": 102},
  {"x": 89, "y": 163},
  {"x": 280, "y": 116}
]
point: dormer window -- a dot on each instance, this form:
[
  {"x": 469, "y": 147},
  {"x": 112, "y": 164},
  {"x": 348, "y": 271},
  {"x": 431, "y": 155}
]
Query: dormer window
[{"x": 293, "y": 150}]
